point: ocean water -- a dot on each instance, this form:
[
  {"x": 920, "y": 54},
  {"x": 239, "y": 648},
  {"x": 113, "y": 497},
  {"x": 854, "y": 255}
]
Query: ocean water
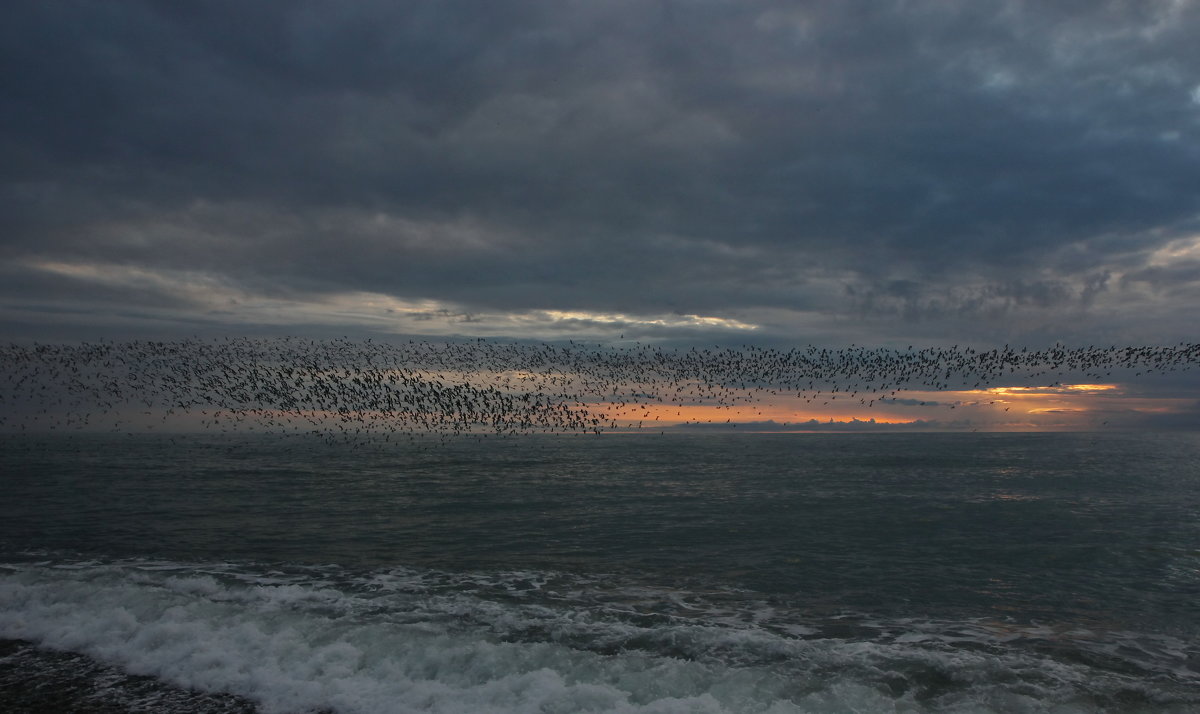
[{"x": 619, "y": 573}]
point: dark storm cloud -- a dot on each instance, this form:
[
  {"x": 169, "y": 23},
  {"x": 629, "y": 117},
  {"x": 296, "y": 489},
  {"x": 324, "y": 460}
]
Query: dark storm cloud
[{"x": 985, "y": 169}]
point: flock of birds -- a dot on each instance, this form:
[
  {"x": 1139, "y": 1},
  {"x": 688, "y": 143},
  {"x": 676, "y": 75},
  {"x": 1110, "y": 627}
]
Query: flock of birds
[{"x": 364, "y": 390}]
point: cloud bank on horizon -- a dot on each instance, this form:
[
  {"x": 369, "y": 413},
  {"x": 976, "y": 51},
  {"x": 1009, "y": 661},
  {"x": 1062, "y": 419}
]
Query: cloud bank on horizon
[{"x": 878, "y": 173}]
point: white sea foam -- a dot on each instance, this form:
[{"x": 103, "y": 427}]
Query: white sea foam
[{"x": 412, "y": 641}]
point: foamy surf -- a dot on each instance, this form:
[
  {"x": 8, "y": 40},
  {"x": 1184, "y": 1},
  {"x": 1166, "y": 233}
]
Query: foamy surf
[{"x": 302, "y": 639}]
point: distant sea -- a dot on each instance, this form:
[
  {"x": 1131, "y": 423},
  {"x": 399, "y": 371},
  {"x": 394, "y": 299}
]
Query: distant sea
[{"x": 615, "y": 573}]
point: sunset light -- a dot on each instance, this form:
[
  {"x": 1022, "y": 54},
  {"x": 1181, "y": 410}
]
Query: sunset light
[{"x": 600, "y": 357}]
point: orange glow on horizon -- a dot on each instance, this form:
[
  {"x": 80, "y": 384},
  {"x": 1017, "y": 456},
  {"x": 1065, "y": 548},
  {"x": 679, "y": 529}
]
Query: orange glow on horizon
[
  {"x": 649, "y": 415},
  {"x": 1034, "y": 391},
  {"x": 1001, "y": 408}
]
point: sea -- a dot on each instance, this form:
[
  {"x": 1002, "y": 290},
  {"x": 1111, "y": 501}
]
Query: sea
[{"x": 624, "y": 572}]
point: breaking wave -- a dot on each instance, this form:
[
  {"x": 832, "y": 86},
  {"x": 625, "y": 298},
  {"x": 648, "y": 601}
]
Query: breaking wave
[{"x": 296, "y": 639}]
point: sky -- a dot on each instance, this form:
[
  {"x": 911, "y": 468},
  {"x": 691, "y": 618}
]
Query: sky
[{"x": 676, "y": 173}]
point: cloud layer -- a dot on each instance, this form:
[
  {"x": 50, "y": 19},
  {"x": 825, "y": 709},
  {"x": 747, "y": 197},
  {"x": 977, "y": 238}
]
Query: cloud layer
[{"x": 838, "y": 172}]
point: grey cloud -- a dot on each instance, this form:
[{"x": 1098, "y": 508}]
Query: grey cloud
[
  {"x": 954, "y": 166},
  {"x": 914, "y": 402},
  {"x": 1182, "y": 275},
  {"x": 1188, "y": 419}
]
